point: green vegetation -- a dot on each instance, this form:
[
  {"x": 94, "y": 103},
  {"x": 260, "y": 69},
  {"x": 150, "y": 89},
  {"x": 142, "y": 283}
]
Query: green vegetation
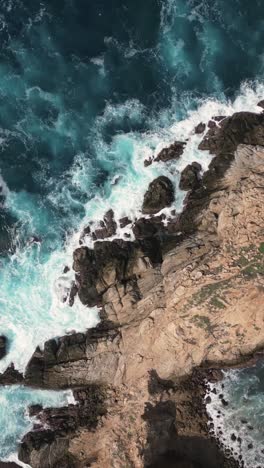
[{"x": 203, "y": 322}]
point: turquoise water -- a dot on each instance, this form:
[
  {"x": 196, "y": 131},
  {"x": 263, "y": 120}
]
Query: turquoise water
[
  {"x": 17, "y": 421},
  {"x": 88, "y": 90}
]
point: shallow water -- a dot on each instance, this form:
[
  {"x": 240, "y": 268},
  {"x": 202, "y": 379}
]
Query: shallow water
[{"x": 88, "y": 90}]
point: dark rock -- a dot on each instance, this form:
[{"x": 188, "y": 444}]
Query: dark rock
[
  {"x": 45, "y": 448},
  {"x": 143, "y": 228},
  {"x": 190, "y": 177},
  {"x": 11, "y": 376},
  {"x": 174, "y": 151},
  {"x": 108, "y": 226},
  {"x": 73, "y": 293},
  {"x": 124, "y": 221},
  {"x": 101, "y": 267},
  {"x": 241, "y": 127},
  {"x": 250, "y": 446},
  {"x": 208, "y": 400},
  {"x": 33, "y": 410},
  {"x": 159, "y": 195},
  {"x": 224, "y": 402},
  {"x": 86, "y": 232},
  {"x": 261, "y": 104},
  {"x": 66, "y": 269},
  {"x": 233, "y": 437},
  {"x": 200, "y": 128},
  {"x": 3, "y": 346},
  {"x": 148, "y": 162},
  {"x": 8, "y": 465}
]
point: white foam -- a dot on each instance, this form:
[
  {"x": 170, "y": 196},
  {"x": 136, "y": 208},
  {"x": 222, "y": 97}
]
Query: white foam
[{"x": 239, "y": 424}]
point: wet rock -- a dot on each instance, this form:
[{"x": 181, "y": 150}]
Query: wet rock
[
  {"x": 233, "y": 437},
  {"x": 208, "y": 400},
  {"x": 45, "y": 448},
  {"x": 123, "y": 222},
  {"x": 224, "y": 402},
  {"x": 200, "y": 128},
  {"x": 108, "y": 226},
  {"x": 190, "y": 177},
  {"x": 98, "y": 269},
  {"x": 159, "y": 195},
  {"x": 11, "y": 376},
  {"x": 144, "y": 228},
  {"x": 250, "y": 446},
  {"x": 3, "y": 346},
  {"x": 34, "y": 410},
  {"x": 261, "y": 104},
  {"x": 174, "y": 151},
  {"x": 148, "y": 162},
  {"x": 73, "y": 294},
  {"x": 241, "y": 127}
]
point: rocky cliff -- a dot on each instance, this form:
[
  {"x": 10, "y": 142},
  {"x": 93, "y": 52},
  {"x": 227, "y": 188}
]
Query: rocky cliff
[{"x": 186, "y": 294}]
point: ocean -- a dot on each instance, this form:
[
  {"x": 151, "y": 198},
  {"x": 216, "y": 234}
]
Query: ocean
[{"x": 88, "y": 90}]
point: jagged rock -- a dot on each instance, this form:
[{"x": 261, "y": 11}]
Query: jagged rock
[
  {"x": 159, "y": 195},
  {"x": 108, "y": 226},
  {"x": 125, "y": 221},
  {"x": 261, "y": 104},
  {"x": 190, "y": 177},
  {"x": 98, "y": 269},
  {"x": 241, "y": 127},
  {"x": 200, "y": 128},
  {"x": 76, "y": 360},
  {"x": 34, "y": 410},
  {"x": 174, "y": 151},
  {"x": 11, "y": 376},
  {"x": 3, "y": 345}
]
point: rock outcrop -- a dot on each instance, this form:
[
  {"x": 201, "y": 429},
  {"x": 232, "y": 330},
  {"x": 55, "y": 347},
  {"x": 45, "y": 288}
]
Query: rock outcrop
[
  {"x": 178, "y": 298},
  {"x": 159, "y": 195}
]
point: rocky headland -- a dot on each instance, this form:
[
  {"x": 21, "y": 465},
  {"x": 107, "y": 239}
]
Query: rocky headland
[{"x": 178, "y": 303}]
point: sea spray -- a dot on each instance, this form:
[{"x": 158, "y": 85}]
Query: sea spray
[{"x": 236, "y": 406}]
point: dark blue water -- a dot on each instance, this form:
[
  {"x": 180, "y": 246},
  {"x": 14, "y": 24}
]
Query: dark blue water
[{"x": 88, "y": 89}]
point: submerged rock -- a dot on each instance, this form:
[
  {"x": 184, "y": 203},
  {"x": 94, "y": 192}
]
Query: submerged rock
[{"x": 159, "y": 195}]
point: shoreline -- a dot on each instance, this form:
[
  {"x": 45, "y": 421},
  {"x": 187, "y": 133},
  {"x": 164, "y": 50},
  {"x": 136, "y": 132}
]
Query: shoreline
[{"x": 155, "y": 291}]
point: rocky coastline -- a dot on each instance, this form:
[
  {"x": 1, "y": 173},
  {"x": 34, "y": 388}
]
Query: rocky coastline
[{"x": 177, "y": 303}]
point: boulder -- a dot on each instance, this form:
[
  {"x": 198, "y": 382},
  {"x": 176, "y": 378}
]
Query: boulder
[
  {"x": 200, "y": 128},
  {"x": 261, "y": 104},
  {"x": 190, "y": 177},
  {"x": 174, "y": 151},
  {"x": 159, "y": 195}
]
